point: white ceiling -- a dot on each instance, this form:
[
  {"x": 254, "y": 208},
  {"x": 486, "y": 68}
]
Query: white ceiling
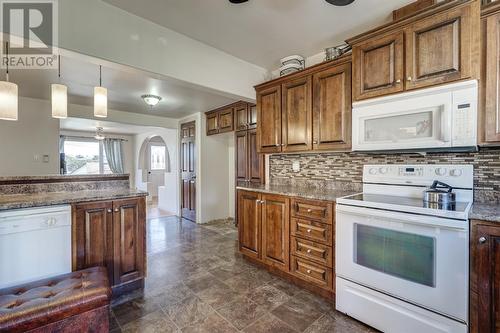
[
  {"x": 264, "y": 31},
  {"x": 125, "y": 86},
  {"x": 109, "y": 127}
]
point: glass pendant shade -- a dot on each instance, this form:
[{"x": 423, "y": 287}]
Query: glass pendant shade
[
  {"x": 100, "y": 102},
  {"x": 59, "y": 101},
  {"x": 8, "y": 101}
]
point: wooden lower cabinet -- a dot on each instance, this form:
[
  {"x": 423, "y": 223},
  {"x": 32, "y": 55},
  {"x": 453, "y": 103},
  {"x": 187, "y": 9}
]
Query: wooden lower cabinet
[
  {"x": 111, "y": 234},
  {"x": 485, "y": 277},
  {"x": 269, "y": 236}
]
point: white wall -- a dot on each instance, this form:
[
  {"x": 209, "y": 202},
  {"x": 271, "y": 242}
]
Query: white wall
[
  {"x": 35, "y": 133},
  {"x": 96, "y": 28},
  {"x": 170, "y": 137}
]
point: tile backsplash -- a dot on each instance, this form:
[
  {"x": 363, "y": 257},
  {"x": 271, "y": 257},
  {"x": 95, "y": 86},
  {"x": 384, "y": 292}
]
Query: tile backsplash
[{"x": 325, "y": 169}]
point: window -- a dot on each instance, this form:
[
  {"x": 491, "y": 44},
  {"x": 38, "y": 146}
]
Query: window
[
  {"x": 84, "y": 156},
  {"x": 158, "y": 157}
]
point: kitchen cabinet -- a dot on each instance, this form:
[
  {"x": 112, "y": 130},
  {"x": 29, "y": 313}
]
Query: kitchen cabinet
[
  {"x": 226, "y": 122},
  {"x": 275, "y": 231},
  {"x": 212, "y": 123},
  {"x": 249, "y": 223},
  {"x": 307, "y": 110},
  {"x": 239, "y": 116},
  {"x": 292, "y": 236},
  {"x": 249, "y": 163},
  {"x": 269, "y": 119},
  {"x": 485, "y": 277},
  {"x": 296, "y": 114},
  {"x": 252, "y": 116},
  {"x": 111, "y": 234},
  {"x": 489, "y": 115},
  {"x": 432, "y": 47}
]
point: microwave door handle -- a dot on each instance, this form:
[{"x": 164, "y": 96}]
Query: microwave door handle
[{"x": 445, "y": 126}]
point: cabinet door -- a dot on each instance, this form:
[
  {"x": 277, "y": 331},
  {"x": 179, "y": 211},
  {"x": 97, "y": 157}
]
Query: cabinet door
[
  {"x": 129, "y": 224},
  {"x": 226, "y": 120},
  {"x": 491, "y": 70},
  {"x": 252, "y": 116},
  {"x": 241, "y": 152},
  {"x": 297, "y": 115},
  {"x": 241, "y": 118},
  {"x": 269, "y": 120},
  {"x": 276, "y": 231},
  {"x": 438, "y": 49},
  {"x": 332, "y": 108},
  {"x": 249, "y": 226},
  {"x": 378, "y": 66},
  {"x": 212, "y": 123},
  {"x": 255, "y": 160},
  {"x": 93, "y": 236},
  {"x": 487, "y": 272}
]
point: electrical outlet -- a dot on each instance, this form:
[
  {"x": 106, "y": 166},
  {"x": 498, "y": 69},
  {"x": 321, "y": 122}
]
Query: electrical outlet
[{"x": 296, "y": 166}]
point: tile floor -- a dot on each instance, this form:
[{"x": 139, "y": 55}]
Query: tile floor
[{"x": 197, "y": 282}]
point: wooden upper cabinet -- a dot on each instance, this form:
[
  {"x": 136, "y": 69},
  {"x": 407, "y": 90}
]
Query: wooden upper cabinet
[
  {"x": 249, "y": 223},
  {"x": 129, "y": 239},
  {"x": 241, "y": 117},
  {"x": 226, "y": 120},
  {"x": 269, "y": 118},
  {"x": 93, "y": 236},
  {"x": 255, "y": 160},
  {"x": 490, "y": 78},
  {"x": 241, "y": 155},
  {"x": 438, "y": 49},
  {"x": 485, "y": 278},
  {"x": 332, "y": 108},
  {"x": 378, "y": 66},
  {"x": 275, "y": 231},
  {"x": 252, "y": 116},
  {"x": 297, "y": 114},
  {"x": 212, "y": 123}
]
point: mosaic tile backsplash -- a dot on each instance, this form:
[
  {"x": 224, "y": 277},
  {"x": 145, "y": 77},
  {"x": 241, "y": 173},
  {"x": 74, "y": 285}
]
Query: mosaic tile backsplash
[{"x": 330, "y": 169}]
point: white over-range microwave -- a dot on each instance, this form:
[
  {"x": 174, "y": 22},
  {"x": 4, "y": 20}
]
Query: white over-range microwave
[{"x": 436, "y": 118}]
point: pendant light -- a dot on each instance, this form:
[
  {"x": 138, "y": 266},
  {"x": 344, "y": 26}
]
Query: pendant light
[
  {"x": 100, "y": 99},
  {"x": 59, "y": 97},
  {"x": 8, "y": 95}
]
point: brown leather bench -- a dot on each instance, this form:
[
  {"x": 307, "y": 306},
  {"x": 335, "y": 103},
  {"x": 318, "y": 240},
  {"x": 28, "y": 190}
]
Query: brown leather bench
[{"x": 74, "y": 302}]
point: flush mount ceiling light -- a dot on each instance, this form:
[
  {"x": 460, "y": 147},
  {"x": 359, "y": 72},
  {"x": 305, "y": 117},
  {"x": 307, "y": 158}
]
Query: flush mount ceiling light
[
  {"x": 100, "y": 99},
  {"x": 59, "y": 97},
  {"x": 99, "y": 134},
  {"x": 8, "y": 95},
  {"x": 151, "y": 100},
  {"x": 237, "y": 1},
  {"x": 340, "y": 2}
]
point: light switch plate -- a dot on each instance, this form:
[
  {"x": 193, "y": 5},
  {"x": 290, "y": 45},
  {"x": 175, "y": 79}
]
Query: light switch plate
[{"x": 296, "y": 166}]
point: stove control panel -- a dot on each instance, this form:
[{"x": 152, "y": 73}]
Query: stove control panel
[{"x": 460, "y": 176}]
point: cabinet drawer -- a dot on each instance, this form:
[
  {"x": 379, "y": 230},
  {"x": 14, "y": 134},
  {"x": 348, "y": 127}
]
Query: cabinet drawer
[
  {"x": 322, "y": 254},
  {"x": 314, "y": 273},
  {"x": 317, "y": 210},
  {"x": 312, "y": 230}
]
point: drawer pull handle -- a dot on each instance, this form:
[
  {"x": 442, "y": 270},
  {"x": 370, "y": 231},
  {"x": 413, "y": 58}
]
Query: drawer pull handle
[
  {"x": 309, "y": 210},
  {"x": 308, "y": 271},
  {"x": 309, "y": 251}
]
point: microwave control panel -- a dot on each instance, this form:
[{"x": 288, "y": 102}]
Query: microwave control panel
[{"x": 464, "y": 118}]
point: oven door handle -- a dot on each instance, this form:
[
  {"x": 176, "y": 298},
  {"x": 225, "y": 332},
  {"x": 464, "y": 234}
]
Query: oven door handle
[{"x": 404, "y": 218}]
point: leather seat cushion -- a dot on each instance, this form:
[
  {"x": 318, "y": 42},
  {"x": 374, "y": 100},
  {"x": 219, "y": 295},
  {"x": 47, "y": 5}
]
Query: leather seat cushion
[{"x": 39, "y": 303}]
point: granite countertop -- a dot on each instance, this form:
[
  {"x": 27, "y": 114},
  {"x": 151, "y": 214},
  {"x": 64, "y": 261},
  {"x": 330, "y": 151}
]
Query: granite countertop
[
  {"x": 298, "y": 191},
  {"x": 15, "y": 201},
  {"x": 485, "y": 212}
]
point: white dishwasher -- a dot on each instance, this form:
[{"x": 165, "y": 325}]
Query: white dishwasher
[{"x": 35, "y": 243}]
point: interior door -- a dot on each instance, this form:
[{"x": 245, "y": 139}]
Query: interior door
[
  {"x": 249, "y": 223},
  {"x": 332, "y": 108},
  {"x": 378, "y": 66},
  {"x": 188, "y": 171},
  {"x": 276, "y": 231},
  {"x": 93, "y": 228},
  {"x": 269, "y": 115},
  {"x": 438, "y": 49},
  {"x": 129, "y": 224},
  {"x": 297, "y": 115}
]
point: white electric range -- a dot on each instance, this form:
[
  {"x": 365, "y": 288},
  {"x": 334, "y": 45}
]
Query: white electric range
[{"x": 402, "y": 264}]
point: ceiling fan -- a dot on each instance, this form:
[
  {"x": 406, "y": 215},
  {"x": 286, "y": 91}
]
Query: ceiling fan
[{"x": 332, "y": 2}]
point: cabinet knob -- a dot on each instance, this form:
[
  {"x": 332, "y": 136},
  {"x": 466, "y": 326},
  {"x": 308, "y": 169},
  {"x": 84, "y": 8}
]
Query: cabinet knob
[
  {"x": 410, "y": 78},
  {"x": 309, "y": 251},
  {"x": 309, "y": 210},
  {"x": 315, "y": 142},
  {"x": 398, "y": 81},
  {"x": 308, "y": 271},
  {"x": 110, "y": 210},
  {"x": 116, "y": 210},
  {"x": 309, "y": 231},
  {"x": 482, "y": 240},
  {"x": 278, "y": 145}
]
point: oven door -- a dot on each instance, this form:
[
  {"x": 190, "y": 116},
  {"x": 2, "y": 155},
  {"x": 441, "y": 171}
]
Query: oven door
[
  {"x": 419, "y": 259},
  {"x": 418, "y": 123}
]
